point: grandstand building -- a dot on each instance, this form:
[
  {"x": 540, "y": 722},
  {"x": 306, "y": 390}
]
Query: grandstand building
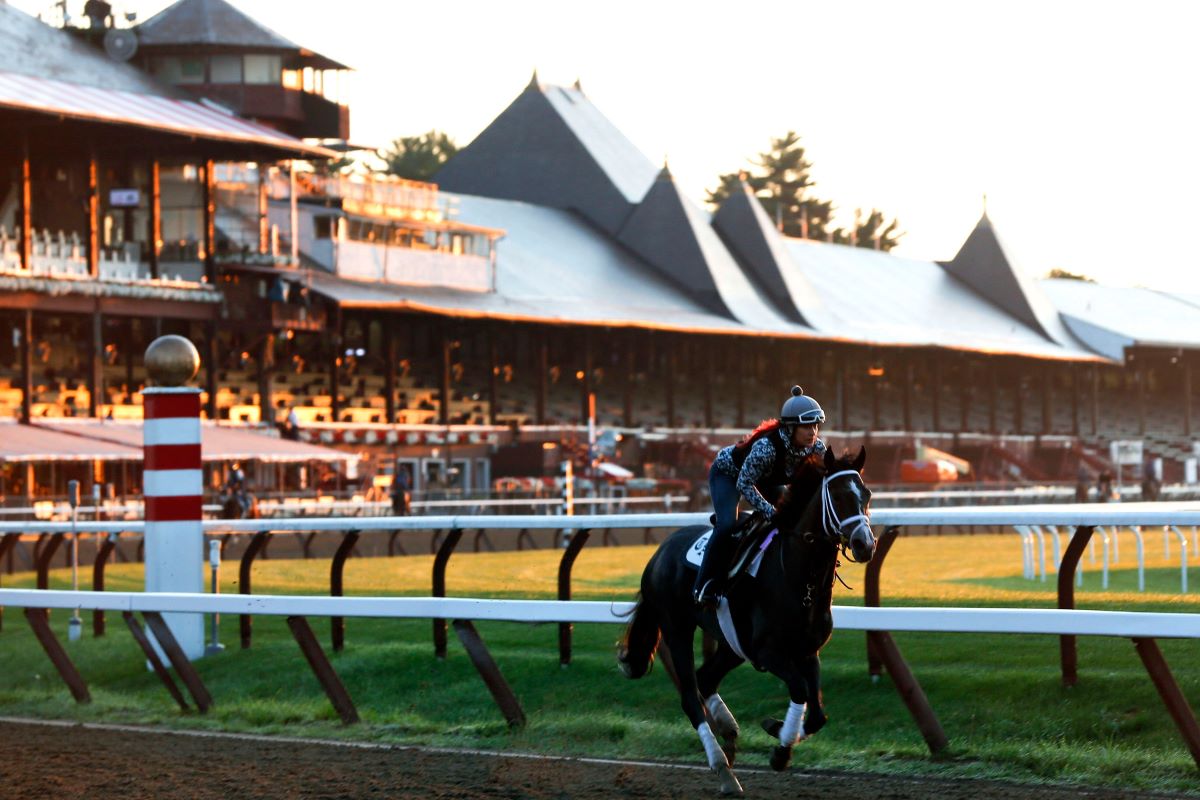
[{"x": 551, "y": 275}]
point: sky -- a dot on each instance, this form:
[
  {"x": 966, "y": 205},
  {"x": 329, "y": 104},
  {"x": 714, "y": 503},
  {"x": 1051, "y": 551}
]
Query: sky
[{"x": 1076, "y": 120}]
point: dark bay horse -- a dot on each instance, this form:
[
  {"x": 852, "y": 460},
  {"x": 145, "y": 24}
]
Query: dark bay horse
[{"x": 779, "y": 618}]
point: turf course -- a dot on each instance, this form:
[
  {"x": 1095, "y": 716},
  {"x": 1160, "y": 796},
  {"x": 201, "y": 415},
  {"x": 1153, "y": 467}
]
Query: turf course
[{"x": 999, "y": 698}]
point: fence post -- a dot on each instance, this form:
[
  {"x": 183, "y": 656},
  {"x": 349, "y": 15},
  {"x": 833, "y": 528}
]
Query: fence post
[
  {"x": 257, "y": 543},
  {"x": 336, "y": 569},
  {"x": 102, "y": 554},
  {"x": 871, "y": 594},
  {"x": 44, "y": 555},
  {"x": 173, "y": 484},
  {"x": 7, "y": 542},
  {"x": 1066, "y": 599},
  {"x": 1174, "y": 699},
  {"x": 564, "y": 591},
  {"x": 439, "y": 587}
]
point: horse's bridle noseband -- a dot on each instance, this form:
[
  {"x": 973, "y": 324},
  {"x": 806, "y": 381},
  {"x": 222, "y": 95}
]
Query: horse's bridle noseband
[{"x": 835, "y": 526}]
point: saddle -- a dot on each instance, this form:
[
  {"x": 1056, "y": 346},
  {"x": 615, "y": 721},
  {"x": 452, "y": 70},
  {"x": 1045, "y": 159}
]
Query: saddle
[{"x": 749, "y": 532}]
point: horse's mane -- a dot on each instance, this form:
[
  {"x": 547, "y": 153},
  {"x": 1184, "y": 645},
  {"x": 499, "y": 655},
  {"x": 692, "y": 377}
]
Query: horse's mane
[{"x": 805, "y": 485}]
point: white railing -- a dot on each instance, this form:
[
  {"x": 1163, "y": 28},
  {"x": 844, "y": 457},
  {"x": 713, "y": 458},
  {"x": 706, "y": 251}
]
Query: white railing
[
  {"x": 1074, "y": 515},
  {"x": 1056, "y": 622}
]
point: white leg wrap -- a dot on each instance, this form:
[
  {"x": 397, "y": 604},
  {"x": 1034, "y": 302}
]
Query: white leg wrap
[
  {"x": 791, "y": 733},
  {"x": 720, "y": 712},
  {"x": 716, "y": 756}
]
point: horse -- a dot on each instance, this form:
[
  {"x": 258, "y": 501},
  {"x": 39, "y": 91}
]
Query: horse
[
  {"x": 239, "y": 505},
  {"x": 780, "y": 617}
]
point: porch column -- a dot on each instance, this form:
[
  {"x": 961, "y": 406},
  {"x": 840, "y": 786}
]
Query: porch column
[
  {"x": 208, "y": 193},
  {"x": 1075, "y": 398},
  {"x": 493, "y": 377},
  {"x": 335, "y": 366},
  {"x": 669, "y": 382},
  {"x": 706, "y": 378},
  {"x": 1187, "y": 393},
  {"x": 210, "y": 367},
  {"x": 1048, "y": 375},
  {"x": 24, "y": 208},
  {"x": 993, "y": 400},
  {"x": 92, "y": 210},
  {"x": 27, "y": 365},
  {"x": 266, "y": 374},
  {"x": 1139, "y": 378},
  {"x": 129, "y": 341},
  {"x": 739, "y": 374},
  {"x": 95, "y": 367},
  {"x": 964, "y": 393},
  {"x": 585, "y": 385},
  {"x": 1095, "y": 399},
  {"x": 154, "y": 234},
  {"x": 843, "y": 390},
  {"x": 1018, "y": 381},
  {"x": 908, "y": 389},
  {"x": 875, "y": 391},
  {"x": 389, "y": 370},
  {"x": 264, "y": 219},
  {"x": 935, "y": 378},
  {"x": 541, "y": 364},
  {"x": 444, "y": 383},
  {"x": 631, "y": 341}
]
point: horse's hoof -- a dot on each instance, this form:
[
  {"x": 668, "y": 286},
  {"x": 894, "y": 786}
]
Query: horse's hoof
[
  {"x": 729, "y": 782},
  {"x": 772, "y": 726},
  {"x": 780, "y": 757}
]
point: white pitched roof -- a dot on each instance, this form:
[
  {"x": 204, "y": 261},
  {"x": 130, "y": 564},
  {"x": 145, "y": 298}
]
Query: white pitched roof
[{"x": 874, "y": 297}]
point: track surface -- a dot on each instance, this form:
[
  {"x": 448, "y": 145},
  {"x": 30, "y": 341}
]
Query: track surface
[{"x": 106, "y": 763}]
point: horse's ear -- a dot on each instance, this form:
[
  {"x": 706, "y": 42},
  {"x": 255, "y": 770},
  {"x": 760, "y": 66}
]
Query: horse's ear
[
  {"x": 830, "y": 461},
  {"x": 860, "y": 459}
]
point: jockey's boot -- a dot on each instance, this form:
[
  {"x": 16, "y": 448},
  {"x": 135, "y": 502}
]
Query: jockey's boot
[{"x": 710, "y": 578}]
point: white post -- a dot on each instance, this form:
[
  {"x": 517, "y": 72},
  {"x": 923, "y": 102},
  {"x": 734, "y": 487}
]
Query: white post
[
  {"x": 1141, "y": 556},
  {"x": 1104, "y": 570},
  {"x": 1183, "y": 559},
  {"x": 173, "y": 483}
]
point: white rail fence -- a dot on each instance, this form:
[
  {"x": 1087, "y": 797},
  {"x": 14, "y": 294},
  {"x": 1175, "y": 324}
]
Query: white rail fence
[{"x": 1037, "y": 523}]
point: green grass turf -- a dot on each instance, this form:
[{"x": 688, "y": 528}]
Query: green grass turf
[{"x": 999, "y": 698}]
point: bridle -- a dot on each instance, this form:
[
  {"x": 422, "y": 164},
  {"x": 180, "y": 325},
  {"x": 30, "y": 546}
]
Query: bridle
[{"x": 839, "y": 529}]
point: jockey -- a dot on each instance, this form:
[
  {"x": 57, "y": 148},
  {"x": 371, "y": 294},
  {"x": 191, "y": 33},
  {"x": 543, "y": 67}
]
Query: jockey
[
  {"x": 764, "y": 459},
  {"x": 235, "y": 485}
]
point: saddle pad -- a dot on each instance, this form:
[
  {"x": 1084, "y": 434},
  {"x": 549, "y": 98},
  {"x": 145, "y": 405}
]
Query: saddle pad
[{"x": 695, "y": 553}]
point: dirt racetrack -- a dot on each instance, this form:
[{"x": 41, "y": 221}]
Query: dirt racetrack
[{"x": 114, "y": 763}]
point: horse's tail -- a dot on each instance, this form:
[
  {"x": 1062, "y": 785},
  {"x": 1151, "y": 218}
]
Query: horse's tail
[{"x": 635, "y": 651}]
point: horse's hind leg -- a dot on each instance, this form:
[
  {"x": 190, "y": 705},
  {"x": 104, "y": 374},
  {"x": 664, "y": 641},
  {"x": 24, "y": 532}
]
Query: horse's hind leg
[
  {"x": 708, "y": 678},
  {"x": 683, "y": 661}
]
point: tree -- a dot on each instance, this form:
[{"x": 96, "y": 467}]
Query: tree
[
  {"x": 1074, "y": 276},
  {"x": 782, "y": 182},
  {"x": 418, "y": 157}
]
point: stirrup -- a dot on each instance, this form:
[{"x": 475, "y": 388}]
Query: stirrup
[{"x": 707, "y": 596}]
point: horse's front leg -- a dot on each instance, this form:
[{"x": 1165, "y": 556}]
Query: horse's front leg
[{"x": 805, "y": 715}]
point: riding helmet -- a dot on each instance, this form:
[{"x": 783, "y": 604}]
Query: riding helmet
[{"x": 800, "y": 409}]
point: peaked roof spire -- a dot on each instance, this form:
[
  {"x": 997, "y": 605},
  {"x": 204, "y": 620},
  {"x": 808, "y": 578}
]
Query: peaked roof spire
[
  {"x": 534, "y": 83},
  {"x": 553, "y": 147},
  {"x": 985, "y": 265}
]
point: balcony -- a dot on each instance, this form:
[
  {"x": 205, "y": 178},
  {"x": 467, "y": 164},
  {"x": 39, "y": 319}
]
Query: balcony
[
  {"x": 367, "y": 261},
  {"x": 299, "y": 113}
]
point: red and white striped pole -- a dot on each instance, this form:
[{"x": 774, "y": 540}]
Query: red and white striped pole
[{"x": 173, "y": 482}]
